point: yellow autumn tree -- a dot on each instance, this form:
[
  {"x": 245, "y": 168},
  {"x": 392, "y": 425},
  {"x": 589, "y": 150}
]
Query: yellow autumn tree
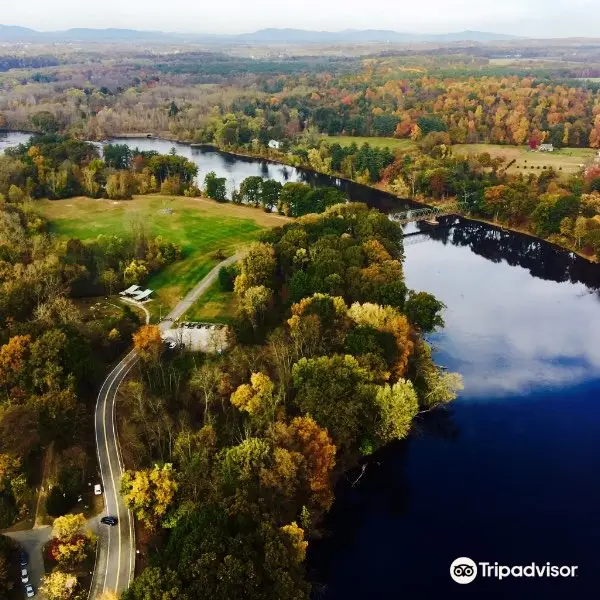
[
  {"x": 298, "y": 544},
  {"x": 64, "y": 528},
  {"x": 150, "y": 492},
  {"x": 387, "y": 319},
  {"x": 59, "y": 586},
  {"x": 257, "y": 397}
]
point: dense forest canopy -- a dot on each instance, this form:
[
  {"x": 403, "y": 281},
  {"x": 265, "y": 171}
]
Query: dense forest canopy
[{"x": 327, "y": 361}]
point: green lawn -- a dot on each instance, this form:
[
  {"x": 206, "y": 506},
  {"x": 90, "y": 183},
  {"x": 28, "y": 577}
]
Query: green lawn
[
  {"x": 215, "y": 306},
  {"x": 382, "y": 142},
  {"x": 200, "y": 227}
]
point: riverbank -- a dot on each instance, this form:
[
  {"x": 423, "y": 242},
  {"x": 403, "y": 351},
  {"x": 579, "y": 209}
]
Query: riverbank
[
  {"x": 386, "y": 199},
  {"x": 418, "y": 203}
]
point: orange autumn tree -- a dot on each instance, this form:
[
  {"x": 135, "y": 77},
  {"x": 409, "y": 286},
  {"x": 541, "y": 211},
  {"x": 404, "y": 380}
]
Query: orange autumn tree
[
  {"x": 12, "y": 359},
  {"x": 304, "y": 436},
  {"x": 147, "y": 342}
]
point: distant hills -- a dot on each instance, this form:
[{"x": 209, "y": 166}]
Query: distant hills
[{"x": 15, "y": 34}]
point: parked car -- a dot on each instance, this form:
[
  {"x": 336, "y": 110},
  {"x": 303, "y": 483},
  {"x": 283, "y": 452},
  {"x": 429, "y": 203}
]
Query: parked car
[
  {"x": 23, "y": 558},
  {"x": 112, "y": 521},
  {"x": 24, "y": 576},
  {"x": 98, "y": 489},
  {"x": 29, "y": 591}
]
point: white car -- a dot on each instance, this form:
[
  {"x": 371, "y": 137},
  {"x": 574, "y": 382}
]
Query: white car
[
  {"x": 29, "y": 591},
  {"x": 98, "y": 490},
  {"x": 24, "y": 576}
]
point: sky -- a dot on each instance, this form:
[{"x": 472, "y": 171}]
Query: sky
[{"x": 535, "y": 18}]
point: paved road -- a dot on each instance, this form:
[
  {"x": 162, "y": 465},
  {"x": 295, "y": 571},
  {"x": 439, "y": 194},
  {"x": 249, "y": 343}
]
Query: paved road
[
  {"x": 197, "y": 291},
  {"x": 115, "y": 559},
  {"x": 33, "y": 542}
]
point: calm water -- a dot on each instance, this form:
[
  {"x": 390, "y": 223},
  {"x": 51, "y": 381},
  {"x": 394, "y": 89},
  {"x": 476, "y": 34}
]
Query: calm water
[{"x": 511, "y": 473}]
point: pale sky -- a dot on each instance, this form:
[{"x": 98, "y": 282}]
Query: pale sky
[{"x": 537, "y": 18}]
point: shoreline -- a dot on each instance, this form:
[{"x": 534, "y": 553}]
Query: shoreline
[{"x": 379, "y": 188}]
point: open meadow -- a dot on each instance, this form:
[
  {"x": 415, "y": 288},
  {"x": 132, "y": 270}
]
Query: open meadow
[
  {"x": 566, "y": 161},
  {"x": 199, "y": 226}
]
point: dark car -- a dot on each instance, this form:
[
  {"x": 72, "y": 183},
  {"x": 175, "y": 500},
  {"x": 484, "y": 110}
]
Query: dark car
[
  {"x": 112, "y": 521},
  {"x": 23, "y": 558}
]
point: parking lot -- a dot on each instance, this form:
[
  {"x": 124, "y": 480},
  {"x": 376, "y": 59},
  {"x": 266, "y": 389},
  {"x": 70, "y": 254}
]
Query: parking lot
[{"x": 204, "y": 337}]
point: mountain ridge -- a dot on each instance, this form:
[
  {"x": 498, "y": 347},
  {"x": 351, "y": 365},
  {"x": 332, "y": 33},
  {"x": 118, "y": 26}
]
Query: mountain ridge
[{"x": 18, "y": 34}]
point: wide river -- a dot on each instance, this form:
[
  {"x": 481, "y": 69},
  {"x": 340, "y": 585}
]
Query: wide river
[{"x": 511, "y": 473}]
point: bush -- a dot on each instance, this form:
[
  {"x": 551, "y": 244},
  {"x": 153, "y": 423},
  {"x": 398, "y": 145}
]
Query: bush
[
  {"x": 59, "y": 503},
  {"x": 8, "y": 512},
  {"x": 227, "y": 277}
]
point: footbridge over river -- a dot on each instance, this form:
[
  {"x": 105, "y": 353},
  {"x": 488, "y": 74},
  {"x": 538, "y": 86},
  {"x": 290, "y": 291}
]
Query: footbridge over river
[{"x": 429, "y": 214}]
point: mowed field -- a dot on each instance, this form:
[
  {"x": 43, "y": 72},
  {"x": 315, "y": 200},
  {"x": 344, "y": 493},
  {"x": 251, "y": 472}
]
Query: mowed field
[
  {"x": 215, "y": 306},
  {"x": 566, "y": 161},
  {"x": 201, "y": 227}
]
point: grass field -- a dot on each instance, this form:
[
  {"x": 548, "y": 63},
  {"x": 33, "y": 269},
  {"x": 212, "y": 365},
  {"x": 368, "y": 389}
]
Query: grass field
[
  {"x": 566, "y": 160},
  {"x": 200, "y": 227},
  {"x": 215, "y": 306}
]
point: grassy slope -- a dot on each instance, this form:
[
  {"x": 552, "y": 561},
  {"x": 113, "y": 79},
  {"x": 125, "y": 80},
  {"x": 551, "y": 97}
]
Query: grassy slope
[
  {"x": 215, "y": 306},
  {"x": 199, "y": 226}
]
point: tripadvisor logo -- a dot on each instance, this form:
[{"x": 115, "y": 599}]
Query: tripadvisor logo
[{"x": 465, "y": 570}]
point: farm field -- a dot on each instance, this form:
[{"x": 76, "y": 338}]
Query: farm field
[
  {"x": 199, "y": 226},
  {"x": 565, "y": 160}
]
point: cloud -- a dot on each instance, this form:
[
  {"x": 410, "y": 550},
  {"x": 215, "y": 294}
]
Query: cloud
[{"x": 506, "y": 331}]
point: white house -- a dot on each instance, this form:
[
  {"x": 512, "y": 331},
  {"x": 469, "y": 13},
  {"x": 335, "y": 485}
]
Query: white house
[
  {"x": 546, "y": 148},
  {"x": 276, "y": 145}
]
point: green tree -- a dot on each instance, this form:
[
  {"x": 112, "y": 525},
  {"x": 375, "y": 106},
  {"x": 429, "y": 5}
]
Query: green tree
[
  {"x": 397, "y": 406},
  {"x": 423, "y": 310},
  {"x": 156, "y": 583},
  {"x": 271, "y": 192},
  {"x": 251, "y": 190},
  {"x": 215, "y": 187},
  {"x": 347, "y": 411}
]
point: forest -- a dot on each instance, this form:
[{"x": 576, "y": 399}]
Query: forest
[
  {"x": 233, "y": 457},
  {"x": 236, "y": 456}
]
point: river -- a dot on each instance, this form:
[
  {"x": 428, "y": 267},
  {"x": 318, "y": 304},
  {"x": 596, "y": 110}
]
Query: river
[{"x": 511, "y": 472}]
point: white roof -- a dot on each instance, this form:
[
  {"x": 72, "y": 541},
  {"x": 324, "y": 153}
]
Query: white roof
[
  {"x": 130, "y": 290},
  {"x": 142, "y": 295}
]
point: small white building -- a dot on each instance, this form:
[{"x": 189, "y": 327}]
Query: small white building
[
  {"x": 546, "y": 148},
  {"x": 275, "y": 144}
]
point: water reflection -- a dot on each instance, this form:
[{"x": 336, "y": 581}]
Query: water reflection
[{"x": 506, "y": 331}]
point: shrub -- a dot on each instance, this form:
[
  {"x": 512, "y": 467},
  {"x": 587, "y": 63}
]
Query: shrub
[{"x": 59, "y": 503}]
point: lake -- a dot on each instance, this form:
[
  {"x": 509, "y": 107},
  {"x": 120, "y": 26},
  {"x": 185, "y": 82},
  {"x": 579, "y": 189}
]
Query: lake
[{"x": 511, "y": 472}]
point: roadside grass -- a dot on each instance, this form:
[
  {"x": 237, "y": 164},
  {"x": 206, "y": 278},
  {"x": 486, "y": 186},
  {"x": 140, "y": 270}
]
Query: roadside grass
[
  {"x": 214, "y": 306},
  {"x": 199, "y": 226}
]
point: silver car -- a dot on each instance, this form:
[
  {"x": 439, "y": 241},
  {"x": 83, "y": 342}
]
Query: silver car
[
  {"x": 29, "y": 591},
  {"x": 24, "y": 576}
]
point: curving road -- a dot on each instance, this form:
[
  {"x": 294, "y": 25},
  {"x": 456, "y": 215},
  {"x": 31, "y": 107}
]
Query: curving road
[{"x": 115, "y": 557}]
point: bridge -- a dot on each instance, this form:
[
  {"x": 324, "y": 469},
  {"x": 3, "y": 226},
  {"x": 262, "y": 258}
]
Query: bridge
[{"x": 429, "y": 213}]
